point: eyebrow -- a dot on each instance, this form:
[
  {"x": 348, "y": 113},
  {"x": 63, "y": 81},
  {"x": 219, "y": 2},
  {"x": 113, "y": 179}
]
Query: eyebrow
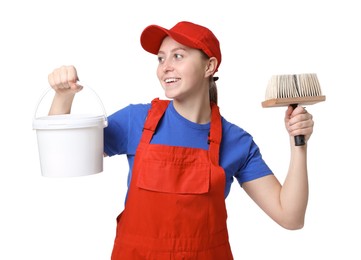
[{"x": 173, "y": 50}]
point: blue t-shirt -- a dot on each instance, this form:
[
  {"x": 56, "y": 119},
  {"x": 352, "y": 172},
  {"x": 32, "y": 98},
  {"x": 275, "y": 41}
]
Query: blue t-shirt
[{"x": 239, "y": 155}]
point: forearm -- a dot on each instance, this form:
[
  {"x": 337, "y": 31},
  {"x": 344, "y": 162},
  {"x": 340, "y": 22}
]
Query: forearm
[
  {"x": 294, "y": 192},
  {"x": 61, "y": 104}
]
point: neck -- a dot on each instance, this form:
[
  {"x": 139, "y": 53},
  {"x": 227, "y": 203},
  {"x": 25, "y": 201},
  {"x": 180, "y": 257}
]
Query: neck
[{"x": 197, "y": 112}]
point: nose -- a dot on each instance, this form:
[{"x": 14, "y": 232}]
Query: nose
[{"x": 167, "y": 65}]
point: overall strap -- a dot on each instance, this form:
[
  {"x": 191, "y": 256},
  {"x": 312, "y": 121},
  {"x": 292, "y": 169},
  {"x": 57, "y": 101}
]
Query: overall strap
[
  {"x": 155, "y": 113},
  {"x": 215, "y": 135}
]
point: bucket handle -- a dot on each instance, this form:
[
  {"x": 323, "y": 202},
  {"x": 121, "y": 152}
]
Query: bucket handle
[{"x": 99, "y": 100}]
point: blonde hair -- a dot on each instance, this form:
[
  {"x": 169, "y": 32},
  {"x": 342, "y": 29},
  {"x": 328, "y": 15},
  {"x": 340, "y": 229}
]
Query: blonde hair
[{"x": 213, "y": 93}]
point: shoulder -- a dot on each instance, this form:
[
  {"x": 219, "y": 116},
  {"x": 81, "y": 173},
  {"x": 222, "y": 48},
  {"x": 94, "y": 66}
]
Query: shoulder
[
  {"x": 232, "y": 131},
  {"x": 138, "y": 108},
  {"x": 131, "y": 110},
  {"x": 234, "y": 136}
]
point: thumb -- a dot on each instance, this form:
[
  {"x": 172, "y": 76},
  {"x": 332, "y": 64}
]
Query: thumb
[
  {"x": 288, "y": 112},
  {"x": 76, "y": 86}
]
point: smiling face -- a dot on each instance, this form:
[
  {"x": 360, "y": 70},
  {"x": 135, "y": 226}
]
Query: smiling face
[{"x": 182, "y": 71}]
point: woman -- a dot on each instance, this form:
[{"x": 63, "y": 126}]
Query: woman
[{"x": 184, "y": 155}]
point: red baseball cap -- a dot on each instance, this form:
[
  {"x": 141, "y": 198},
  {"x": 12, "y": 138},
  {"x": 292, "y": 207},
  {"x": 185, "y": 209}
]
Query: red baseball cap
[{"x": 189, "y": 34}]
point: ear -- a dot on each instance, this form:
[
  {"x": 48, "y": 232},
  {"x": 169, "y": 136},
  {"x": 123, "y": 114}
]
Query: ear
[{"x": 211, "y": 66}]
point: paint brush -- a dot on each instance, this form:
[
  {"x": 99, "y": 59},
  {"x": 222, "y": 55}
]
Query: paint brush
[{"x": 294, "y": 90}]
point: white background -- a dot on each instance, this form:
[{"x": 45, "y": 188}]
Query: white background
[{"x": 74, "y": 218}]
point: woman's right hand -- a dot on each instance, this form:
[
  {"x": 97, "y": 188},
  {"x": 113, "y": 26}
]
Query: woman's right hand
[{"x": 64, "y": 80}]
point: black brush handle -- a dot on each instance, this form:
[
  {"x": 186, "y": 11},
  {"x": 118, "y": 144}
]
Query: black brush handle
[{"x": 299, "y": 139}]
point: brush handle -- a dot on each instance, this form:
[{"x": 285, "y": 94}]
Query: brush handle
[{"x": 299, "y": 139}]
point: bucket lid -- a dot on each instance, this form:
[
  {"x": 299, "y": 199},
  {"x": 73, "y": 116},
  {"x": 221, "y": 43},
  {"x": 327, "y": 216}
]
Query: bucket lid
[{"x": 69, "y": 121}]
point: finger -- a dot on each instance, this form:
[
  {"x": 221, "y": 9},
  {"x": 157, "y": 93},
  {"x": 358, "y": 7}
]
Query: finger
[
  {"x": 73, "y": 78},
  {"x": 300, "y": 124},
  {"x": 301, "y": 131},
  {"x": 289, "y": 111},
  {"x": 63, "y": 77},
  {"x": 303, "y": 125},
  {"x": 55, "y": 78},
  {"x": 51, "y": 80},
  {"x": 298, "y": 110},
  {"x": 299, "y": 118}
]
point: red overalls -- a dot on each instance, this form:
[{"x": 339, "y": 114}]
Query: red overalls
[{"x": 175, "y": 207}]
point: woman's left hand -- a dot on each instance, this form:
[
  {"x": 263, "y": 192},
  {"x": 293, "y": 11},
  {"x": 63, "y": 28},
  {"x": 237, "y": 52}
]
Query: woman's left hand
[{"x": 299, "y": 122}]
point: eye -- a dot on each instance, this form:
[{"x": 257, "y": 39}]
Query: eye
[
  {"x": 178, "y": 56},
  {"x": 160, "y": 59}
]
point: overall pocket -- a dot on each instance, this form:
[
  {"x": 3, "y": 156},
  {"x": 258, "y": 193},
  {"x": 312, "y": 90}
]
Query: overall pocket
[{"x": 175, "y": 170}]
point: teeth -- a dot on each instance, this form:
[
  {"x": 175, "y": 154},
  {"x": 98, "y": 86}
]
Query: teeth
[{"x": 170, "y": 80}]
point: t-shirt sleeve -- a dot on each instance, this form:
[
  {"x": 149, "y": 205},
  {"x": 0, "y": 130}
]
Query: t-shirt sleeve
[
  {"x": 124, "y": 129},
  {"x": 245, "y": 159},
  {"x": 254, "y": 166}
]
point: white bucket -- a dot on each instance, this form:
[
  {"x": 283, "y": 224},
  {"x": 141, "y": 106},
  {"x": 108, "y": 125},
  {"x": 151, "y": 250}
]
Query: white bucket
[{"x": 70, "y": 145}]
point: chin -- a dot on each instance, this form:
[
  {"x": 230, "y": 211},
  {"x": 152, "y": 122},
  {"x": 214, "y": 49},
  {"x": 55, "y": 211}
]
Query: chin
[{"x": 170, "y": 95}]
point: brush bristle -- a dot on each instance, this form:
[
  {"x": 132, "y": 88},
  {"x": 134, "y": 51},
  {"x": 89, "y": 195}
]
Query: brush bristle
[
  {"x": 292, "y": 86},
  {"x": 309, "y": 85}
]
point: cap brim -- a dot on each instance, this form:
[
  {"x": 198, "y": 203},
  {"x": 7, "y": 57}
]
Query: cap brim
[{"x": 153, "y": 36}]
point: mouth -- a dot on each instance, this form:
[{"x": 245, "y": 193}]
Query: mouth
[{"x": 171, "y": 80}]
